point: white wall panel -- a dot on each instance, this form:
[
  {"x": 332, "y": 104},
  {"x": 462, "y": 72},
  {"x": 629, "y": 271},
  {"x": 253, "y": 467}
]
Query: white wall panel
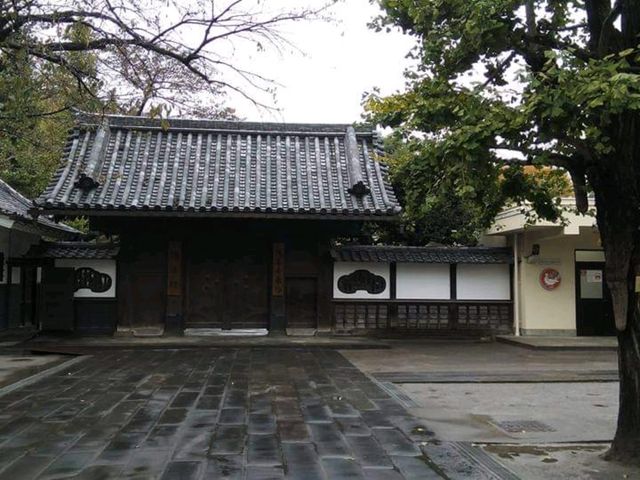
[
  {"x": 345, "y": 268},
  {"x": 102, "y": 266},
  {"x": 483, "y": 282},
  {"x": 429, "y": 281}
]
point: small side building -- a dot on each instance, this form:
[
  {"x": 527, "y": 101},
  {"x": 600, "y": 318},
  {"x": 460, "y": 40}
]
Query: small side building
[
  {"x": 560, "y": 275},
  {"x": 19, "y": 230}
]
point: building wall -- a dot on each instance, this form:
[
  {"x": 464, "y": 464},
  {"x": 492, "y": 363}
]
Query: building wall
[
  {"x": 13, "y": 243},
  {"x": 422, "y": 280},
  {"x": 483, "y": 282},
  {"x": 551, "y": 312}
]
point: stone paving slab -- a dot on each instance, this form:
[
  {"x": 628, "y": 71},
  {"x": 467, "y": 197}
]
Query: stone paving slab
[
  {"x": 558, "y": 342},
  {"x": 529, "y": 376},
  {"x": 259, "y": 413}
]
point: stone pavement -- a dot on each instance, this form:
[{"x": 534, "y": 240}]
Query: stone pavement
[{"x": 261, "y": 413}]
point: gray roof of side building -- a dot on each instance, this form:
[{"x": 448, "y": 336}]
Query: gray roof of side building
[
  {"x": 220, "y": 168},
  {"x": 401, "y": 254},
  {"x": 74, "y": 250},
  {"x": 17, "y": 206}
]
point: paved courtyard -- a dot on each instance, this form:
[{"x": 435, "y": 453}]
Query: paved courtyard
[{"x": 262, "y": 413}]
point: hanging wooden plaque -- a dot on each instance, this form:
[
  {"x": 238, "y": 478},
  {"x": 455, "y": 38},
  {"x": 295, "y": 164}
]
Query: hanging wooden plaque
[
  {"x": 174, "y": 269},
  {"x": 277, "y": 289}
]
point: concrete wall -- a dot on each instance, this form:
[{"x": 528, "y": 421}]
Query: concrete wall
[{"x": 543, "y": 311}]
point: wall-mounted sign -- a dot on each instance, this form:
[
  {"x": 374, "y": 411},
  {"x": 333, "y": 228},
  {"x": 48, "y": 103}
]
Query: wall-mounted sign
[
  {"x": 550, "y": 279},
  {"x": 593, "y": 276},
  {"x": 362, "y": 280}
]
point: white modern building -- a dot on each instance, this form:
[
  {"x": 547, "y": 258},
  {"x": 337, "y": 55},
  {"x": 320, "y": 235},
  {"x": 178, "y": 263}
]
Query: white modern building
[{"x": 559, "y": 286}]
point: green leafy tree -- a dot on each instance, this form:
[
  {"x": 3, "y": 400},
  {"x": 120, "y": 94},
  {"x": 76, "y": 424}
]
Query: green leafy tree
[
  {"x": 542, "y": 82},
  {"x": 35, "y": 98},
  {"x": 453, "y": 209}
]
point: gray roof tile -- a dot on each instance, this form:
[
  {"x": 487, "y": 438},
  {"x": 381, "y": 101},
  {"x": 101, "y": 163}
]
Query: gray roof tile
[
  {"x": 14, "y": 204},
  {"x": 76, "y": 250},
  {"x": 220, "y": 167},
  {"x": 401, "y": 254}
]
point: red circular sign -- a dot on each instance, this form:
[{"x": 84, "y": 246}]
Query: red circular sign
[{"x": 550, "y": 279}]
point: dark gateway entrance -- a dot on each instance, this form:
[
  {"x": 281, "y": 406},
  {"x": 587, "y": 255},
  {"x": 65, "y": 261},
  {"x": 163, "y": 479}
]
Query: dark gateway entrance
[{"x": 227, "y": 286}]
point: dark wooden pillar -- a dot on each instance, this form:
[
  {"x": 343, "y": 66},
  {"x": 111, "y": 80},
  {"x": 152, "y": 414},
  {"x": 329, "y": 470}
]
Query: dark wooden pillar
[
  {"x": 277, "y": 320},
  {"x": 453, "y": 306},
  {"x": 175, "y": 281},
  {"x": 392, "y": 313}
]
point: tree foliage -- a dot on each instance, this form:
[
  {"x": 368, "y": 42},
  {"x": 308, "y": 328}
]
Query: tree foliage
[
  {"x": 504, "y": 83},
  {"x": 121, "y": 56}
]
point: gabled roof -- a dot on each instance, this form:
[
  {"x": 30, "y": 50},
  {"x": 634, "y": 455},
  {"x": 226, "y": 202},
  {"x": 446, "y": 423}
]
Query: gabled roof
[
  {"x": 118, "y": 165},
  {"x": 15, "y": 205},
  {"x": 76, "y": 250},
  {"x": 382, "y": 253}
]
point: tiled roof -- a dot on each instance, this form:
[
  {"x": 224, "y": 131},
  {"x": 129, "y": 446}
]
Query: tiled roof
[
  {"x": 219, "y": 167},
  {"x": 82, "y": 250},
  {"x": 367, "y": 253},
  {"x": 14, "y": 204}
]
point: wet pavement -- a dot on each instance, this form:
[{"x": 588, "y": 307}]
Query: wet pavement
[{"x": 261, "y": 413}]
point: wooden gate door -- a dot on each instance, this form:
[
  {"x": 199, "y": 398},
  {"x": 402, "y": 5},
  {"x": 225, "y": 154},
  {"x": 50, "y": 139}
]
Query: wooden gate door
[
  {"x": 227, "y": 288},
  {"x": 149, "y": 291},
  {"x": 205, "y": 300},
  {"x": 247, "y": 290},
  {"x": 58, "y": 285},
  {"x": 301, "y": 302}
]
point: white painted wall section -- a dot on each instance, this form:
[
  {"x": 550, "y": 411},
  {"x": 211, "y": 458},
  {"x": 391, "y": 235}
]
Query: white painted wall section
[
  {"x": 428, "y": 281},
  {"x": 483, "y": 282},
  {"x": 102, "y": 266},
  {"x": 345, "y": 268}
]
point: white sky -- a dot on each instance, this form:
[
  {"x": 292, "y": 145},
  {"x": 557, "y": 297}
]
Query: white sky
[{"x": 338, "y": 61}]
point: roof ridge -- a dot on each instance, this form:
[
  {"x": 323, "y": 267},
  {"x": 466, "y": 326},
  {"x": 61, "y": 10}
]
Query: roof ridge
[{"x": 83, "y": 117}]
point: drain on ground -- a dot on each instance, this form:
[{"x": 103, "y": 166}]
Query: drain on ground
[{"x": 522, "y": 426}]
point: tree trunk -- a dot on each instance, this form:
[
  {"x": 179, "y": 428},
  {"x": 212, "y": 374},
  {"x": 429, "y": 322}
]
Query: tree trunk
[
  {"x": 626, "y": 443},
  {"x": 616, "y": 184}
]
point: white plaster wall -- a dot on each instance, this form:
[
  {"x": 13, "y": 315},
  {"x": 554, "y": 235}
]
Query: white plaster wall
[
  {"x": 345, "y": 268},
  {"x": 102, "y": 266},
  {"x": 545, "y": 310},
  {"x": 483, "y": 282},
  {"x": 423, "y": 281}
]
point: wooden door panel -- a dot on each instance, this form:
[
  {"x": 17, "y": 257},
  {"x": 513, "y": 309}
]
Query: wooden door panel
[
  {"x": 148, "y": 295},
  {"x": 301, "y": 302},
  {"x": 230, "y": 293},
  {"x": 247, "y": 292},
  {"x": 204, "y": 296}
]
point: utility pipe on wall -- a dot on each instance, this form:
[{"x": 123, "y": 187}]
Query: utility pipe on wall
[{"x": 516, "y": 287}]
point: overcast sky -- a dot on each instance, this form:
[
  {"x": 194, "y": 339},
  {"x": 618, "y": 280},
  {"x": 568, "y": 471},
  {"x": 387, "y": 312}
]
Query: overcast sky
[{"x": 339, "y": 60}]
